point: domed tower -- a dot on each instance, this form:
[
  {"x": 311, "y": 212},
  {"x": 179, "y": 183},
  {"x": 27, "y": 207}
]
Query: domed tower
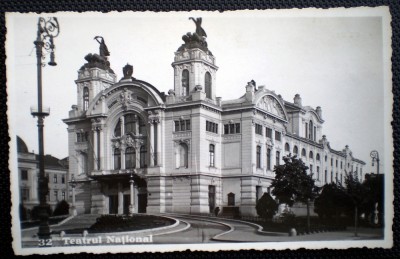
[
  {"x": 94, "y": 76},
  {"x": 194, "y": 66}
]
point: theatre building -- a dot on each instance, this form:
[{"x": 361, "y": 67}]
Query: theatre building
[{"x": 134, "y": 149}]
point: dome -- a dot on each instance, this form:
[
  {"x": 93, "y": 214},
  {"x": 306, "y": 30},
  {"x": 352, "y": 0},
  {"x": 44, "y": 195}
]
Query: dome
[{"x": 21, "y": 146}]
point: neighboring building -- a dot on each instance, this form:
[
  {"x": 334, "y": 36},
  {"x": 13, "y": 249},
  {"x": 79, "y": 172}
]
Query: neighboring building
[
  {"x": 27, "y": 175},
  {"x": 28, "y": 167},
  {"x": 187, "y": 152}
]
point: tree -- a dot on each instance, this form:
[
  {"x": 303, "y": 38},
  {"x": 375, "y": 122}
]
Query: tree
[
  {"x": 266, "y": 206},
  {"x": 356, "y": 193},
  {"x": 331, "y": 202},
  {"x": 62, "y": 208},
  {"x": 293, "y": 184}
]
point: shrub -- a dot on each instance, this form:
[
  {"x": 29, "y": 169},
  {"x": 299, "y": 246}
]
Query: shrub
[
  {"x": 62, "y": 208},
  {"x": 266, "y": 206}
]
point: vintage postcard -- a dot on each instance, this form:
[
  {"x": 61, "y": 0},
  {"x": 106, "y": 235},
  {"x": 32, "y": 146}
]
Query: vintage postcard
[{"x": 143, "y": 132}]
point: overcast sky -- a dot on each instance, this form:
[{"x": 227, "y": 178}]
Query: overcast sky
[{"x": 334, "y": 60}]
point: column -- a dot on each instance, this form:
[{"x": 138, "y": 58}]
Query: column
[
  {"x": 95, "y": 149},
  {"x": 101, "y": 148},
  {"x": 123, "y": 148},
  {"x": 151, "y": 151},
  {"x": 122, "y": 123},
  {"x": 253, "y": 148},
  {"x": 137, "y": 125},
  {"x": 159, "y": 130},
  {"x": 120, "y": 199},
  {"x": 131, "y": 205},
  {"x": 137, "y": 154}
]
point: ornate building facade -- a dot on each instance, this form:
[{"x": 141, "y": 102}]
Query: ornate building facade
[{"x": 139, "y": 150}]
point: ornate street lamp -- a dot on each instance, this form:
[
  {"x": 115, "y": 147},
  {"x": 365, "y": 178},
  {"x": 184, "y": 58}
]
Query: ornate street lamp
[
  {"x": 73, "y": 207},
  {"x": 375, "y": 157},
  {"x": 131, "y": 205},
  {"x": 48, "y": 29}
]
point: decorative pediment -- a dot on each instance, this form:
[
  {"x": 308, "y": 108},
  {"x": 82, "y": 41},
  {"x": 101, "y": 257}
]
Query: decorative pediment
[
  {"x": 125, "y": 98},
  {"x": 271, "y": 105}
]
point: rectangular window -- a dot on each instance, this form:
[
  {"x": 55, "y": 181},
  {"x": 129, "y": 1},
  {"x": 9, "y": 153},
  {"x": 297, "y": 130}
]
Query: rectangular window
[
  {"x": 177, "y": 126},
  {"x": 318, "y": 173},
  {"x": 24, "y": 175},
  {"x": 232, "y": 128},
  {"x": 25, "y": 194},
  {"x": 278, "y": 157},
  {"x": 311, "y": 169},
  {"x": 237, "y": 127},
  {"x": 268, "y": 133},
  {"x": 331, "y": 161},
  {"x": 63, "y": 195},
  {"x": 337, "y": 163},
  {"x": 268, "y": 159},
  {"x": 258, "y": 129},
  {"x": 211, "y": 127},
  {"x": 182, "y": 125},
  {"x": 56, "y": 195},
  {"x": 278, "y": 136},
  {"x": 82, "y": 136},
  {"x": 63, "y": 179},
  {"x": 226, "y": 129},
  {"x": 258, "y": 156},
  {"x": 341, "y": 164},
  {"x": 55, "y": 178}
]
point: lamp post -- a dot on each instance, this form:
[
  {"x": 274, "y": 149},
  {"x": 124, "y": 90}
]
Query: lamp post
[
  {"x": 47, "y": 30},
  {"x": 375, "y": 157},
  {"x": 73, "y": 207},
  {"x": 131, "y": 205}
]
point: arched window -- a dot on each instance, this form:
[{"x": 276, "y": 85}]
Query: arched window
[
  {"x": 130, "y": 121},
  {"x": 130, "y": 158},
  {"x": 143, "y": 155},
  {"x": 117, "y": 159},
  {"x": 303, "y": 152},
  {"x": 287, "y": 147},
  {"x": 258, "y": 156},
  {"x": 318, "y": 157},
  {"x": 268, "y": 159},
  {"x": 311, "y": 128},
  {"x": 185, "y": 82},
  {"x": 85, "y": 98},
  {"x": 311, "y": 155},
  {"x": 212, "y": 155},
  {"x": 295, "y": 150},
  {"x": 207, "y": 84},
  {"x": 117, "y": 130},
  {"x": 231, "y": 199},
  {"x": 182, "y": 155}
]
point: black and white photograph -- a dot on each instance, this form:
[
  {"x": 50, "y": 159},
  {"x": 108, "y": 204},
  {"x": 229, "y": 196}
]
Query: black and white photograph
[{"x": 209, "y": 131}]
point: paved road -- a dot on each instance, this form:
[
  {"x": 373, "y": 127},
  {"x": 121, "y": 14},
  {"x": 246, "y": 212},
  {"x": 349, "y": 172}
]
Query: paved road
[{"x": 200, "y": 231}]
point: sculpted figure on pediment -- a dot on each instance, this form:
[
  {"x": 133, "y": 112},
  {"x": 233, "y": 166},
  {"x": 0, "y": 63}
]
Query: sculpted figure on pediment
[
  {"x": 125, "y": 98},
  {"x": 270, "y": 105}
]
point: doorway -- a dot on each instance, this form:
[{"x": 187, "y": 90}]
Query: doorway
[
  {"x": 211, "y": 198},
  {"x": 113, "y": 204}
]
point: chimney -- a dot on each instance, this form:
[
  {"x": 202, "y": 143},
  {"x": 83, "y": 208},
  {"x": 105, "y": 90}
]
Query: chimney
[
  {"x": 319, "y": 111},
  {"x": 297, "y": 100}
]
